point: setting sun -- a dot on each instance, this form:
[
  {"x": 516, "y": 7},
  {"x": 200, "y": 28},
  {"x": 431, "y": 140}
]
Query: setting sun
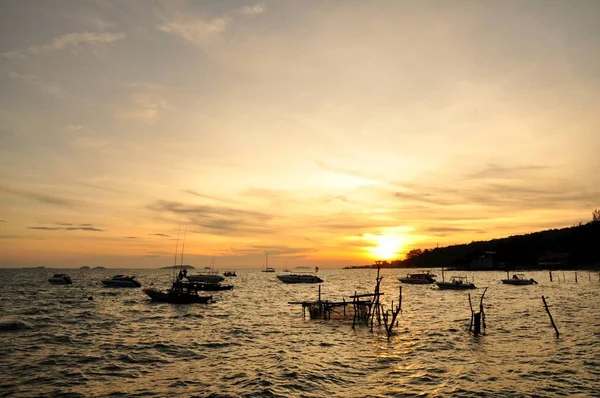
[{"x": 387, "y": 246}]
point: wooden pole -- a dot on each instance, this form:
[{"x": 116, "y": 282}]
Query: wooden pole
[
  {"x": 550, "y": 275},
  {"x": 481, "y": 308},
  {"x": 470, "y": 306},
  {"x": 575, "y": 276},
  {"x": 564, "y": 277},
  {"x": 550, "y": 315},
  {"x": 477, "y": 318}
]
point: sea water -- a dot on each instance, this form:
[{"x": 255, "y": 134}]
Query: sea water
[{"x": 93, "y": 341}]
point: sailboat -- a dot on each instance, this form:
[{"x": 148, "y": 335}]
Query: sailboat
[
  {"x": 267, "y": 268},
  {"x": 180, "y": 292}
]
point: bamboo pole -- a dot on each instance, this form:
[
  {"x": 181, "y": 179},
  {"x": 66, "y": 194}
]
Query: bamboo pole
[{"x": 550, "y": 315}]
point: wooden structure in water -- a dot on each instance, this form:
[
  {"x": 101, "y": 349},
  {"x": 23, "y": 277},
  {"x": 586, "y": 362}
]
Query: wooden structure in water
[{"x": 363, "y": 308}]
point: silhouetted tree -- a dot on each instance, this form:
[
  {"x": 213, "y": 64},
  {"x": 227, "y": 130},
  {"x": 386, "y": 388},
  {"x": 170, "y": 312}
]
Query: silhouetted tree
[
  {"x": 414, "y": 253},
  {"x": 596, "y": 215}
]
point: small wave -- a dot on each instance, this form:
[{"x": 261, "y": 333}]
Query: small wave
[{"x": 11, "y": 325}]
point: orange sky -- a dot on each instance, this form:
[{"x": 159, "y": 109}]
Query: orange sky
[{"x": 325, "y": 133}]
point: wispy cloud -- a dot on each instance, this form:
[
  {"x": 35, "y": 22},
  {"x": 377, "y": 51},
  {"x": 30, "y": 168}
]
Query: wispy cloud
[
  {"x": 131, "y": 237},
  {"x": 70, "y": 41},
  {"x": 198, "y": 31},
  {"x": 52, "y": 88},
  {"x": 255, "y": 9},
  {"x": 217, "y": 219},
  {"x": 161, "y": 235},
  {"x": 144, "y": 106},
  {"x": 42, "y": 198},
  {"x": 1, "y": 221},
  {"x": 77, "y": 228}
]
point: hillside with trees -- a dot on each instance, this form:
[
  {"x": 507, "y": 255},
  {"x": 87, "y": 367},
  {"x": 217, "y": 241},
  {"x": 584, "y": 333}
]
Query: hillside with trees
[{"x": 571, "y": 248}]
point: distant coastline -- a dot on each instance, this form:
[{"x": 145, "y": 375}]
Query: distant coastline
[{"x": 178, "y": 267}]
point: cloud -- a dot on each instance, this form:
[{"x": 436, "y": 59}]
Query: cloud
[
  {"x": 216, "y": 219},
  {"x": 54, "y": 89},
  {"x": 198, "y": 31},
  {"x": 92, "y": 229},
  {"x": 70, "y": 41},
  {"x": 498, "y": 171},
  {"x": 40, "y": 197},
  {"x": 73, "y": 127},
  {"x": 161, "y": 235},
  {"x": 144, "y": 106},
  {"x": 131, "y": 237},
  {"x": 88, "y": 142},
  {"x": 251, "y": 10},
  {"x": 200, "y": 195},
  {"x": 1, "y": 221}
]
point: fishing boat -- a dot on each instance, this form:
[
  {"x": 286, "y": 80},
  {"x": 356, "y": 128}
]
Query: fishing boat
[
  {"x": 300, "y": 276},
  {"x": 229, "y": 274},
  {"x": 456, "y": 283},
  {"x": 212, "y": 287},
  {"x": 181, "y": 292},
  {"x": 60, "y": 279},
  {"x": 518, "y": 279},
  {"x": 208, "y": 276},
  {"x": 121, "y": 281},
  {"x": 421, "y": 278},
  {"x": 267, "y": 268}
]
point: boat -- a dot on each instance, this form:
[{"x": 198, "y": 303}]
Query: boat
[
  {"x": 208, "y": 276},
  {"x": 229, "y": 273},
  {"x": 181, "y": 292},
  {"x": 121, "y": 281},
  {"x": 518, "y": 279},
  {"x": 421, "y": 278},
  {"x": 213, "y": 287},
  {"x": 60, "y": 279},
  {"x": 456, "y": 283},
  {"x": 267, "y": 268},
  {"x": 300, "y": 277}
]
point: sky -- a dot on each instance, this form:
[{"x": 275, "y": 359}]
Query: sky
[{"x": 324, "y": 133}]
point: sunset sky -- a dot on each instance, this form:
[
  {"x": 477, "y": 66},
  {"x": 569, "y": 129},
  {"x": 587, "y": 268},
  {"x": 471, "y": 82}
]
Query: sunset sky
[{"x": 325, "y": 133}]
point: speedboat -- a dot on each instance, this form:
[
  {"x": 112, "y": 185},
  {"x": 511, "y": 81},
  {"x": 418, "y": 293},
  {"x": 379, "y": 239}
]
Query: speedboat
[
  {"x": 518, "y": 279},
  {"x": 60, "y": 279},
  {"x": 456, "y": 283},
  {"x": 180, "y": 293},
  {"x": 229, "y": 273},
  {"x": 421, "y": 278},
  {"x": 299, "y": 278},
  {"x": 207, "y": 277},
  {"x": 121, "y": 281}
]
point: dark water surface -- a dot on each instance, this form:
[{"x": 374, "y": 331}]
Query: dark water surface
[{"x": 56, "y": 342}]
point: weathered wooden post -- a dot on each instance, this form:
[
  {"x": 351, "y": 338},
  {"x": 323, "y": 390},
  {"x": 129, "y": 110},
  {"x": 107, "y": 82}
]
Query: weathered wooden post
[
  {"x": 477, "y": 319},
  {"x": 575, "y": 276},
  {"x": 550, "y": 315},
  {"x": 550, "y": 275},
  {"x": 564, "y": 277}
]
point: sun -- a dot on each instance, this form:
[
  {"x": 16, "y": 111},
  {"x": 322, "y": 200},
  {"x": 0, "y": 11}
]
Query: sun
[{"x": 387, "y": 246}]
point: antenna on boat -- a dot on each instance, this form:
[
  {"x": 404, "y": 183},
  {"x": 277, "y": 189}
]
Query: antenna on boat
[
  {"x": 183, "y": 246},
  {"x": 176, "y": 247}
]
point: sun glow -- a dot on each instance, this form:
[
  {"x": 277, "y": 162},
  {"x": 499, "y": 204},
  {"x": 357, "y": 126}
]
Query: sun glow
[{"x": 387, "y": 247}]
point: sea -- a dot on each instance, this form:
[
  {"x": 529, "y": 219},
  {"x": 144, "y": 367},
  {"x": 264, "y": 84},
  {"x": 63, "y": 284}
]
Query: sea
[{"x": 86, "y": 340}]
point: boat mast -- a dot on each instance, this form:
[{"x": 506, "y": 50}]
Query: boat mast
[
  {"x": 176, "y": 247},
  {"x": 182, "y": 247}
]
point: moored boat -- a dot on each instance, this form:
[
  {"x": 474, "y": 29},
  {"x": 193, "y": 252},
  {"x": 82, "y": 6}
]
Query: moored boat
[
  {"x": 60, "y": 279},
  {"x": 518, "y": 279},
  {"x": 229, "y": 273},
  {"x": 121, "y": 281},
  {"x": 456, "y": 283},
  {"x": 179, "y": 293},
  {"x": 299, "y": 278},
  {"x": 212, "y": 287},
  {"x": 420, "y": 278}
]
